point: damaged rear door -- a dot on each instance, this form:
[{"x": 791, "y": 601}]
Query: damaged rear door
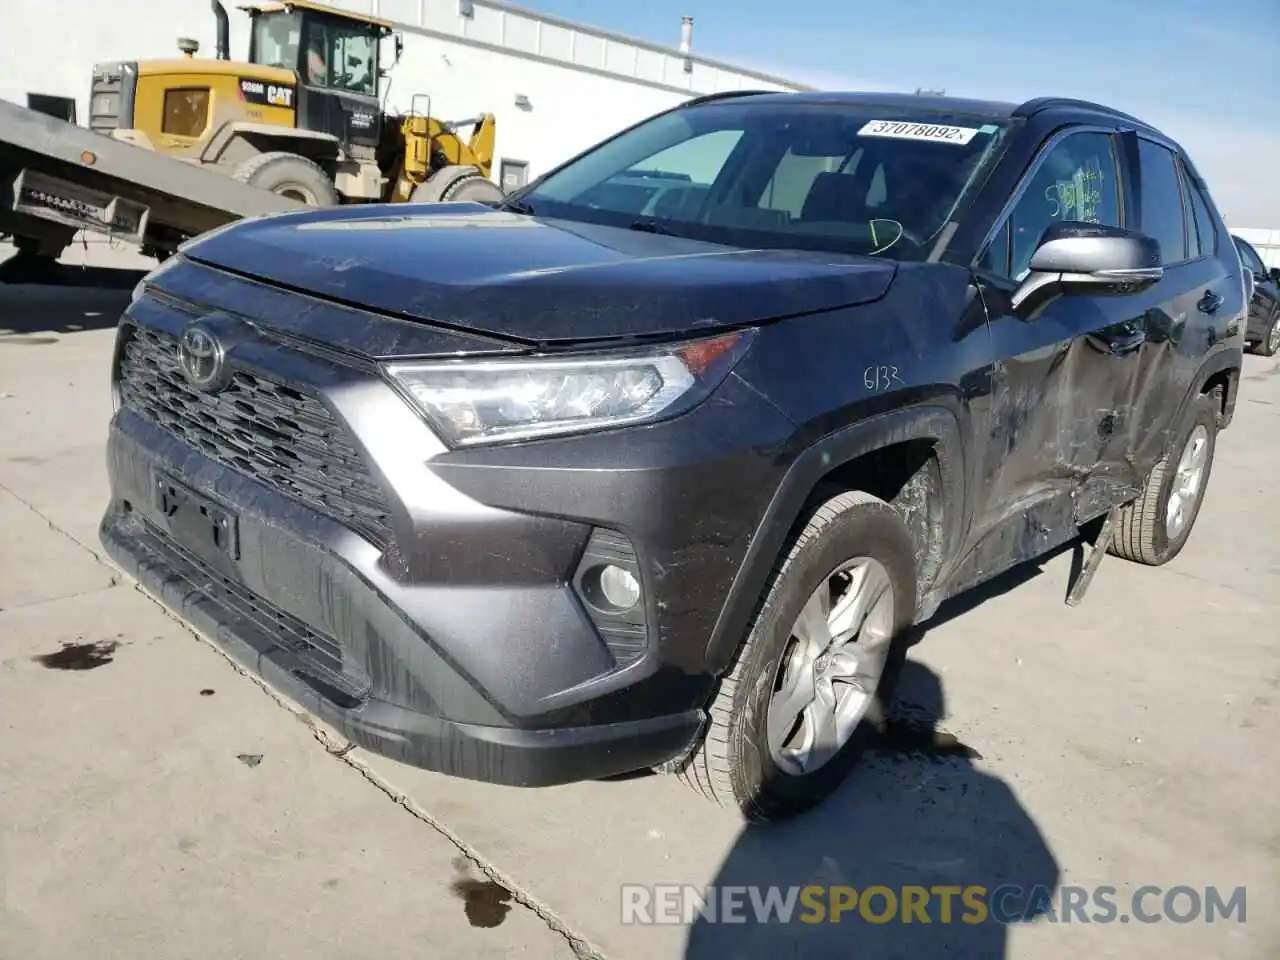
[
  {"x": 1186, "y": 311},
  {"x": 1054, "y": 452}
]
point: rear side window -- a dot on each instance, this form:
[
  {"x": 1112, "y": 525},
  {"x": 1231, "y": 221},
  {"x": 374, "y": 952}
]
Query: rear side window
[
  {"x": 1161, "y": 201},
  {"x": 1206, "y": 230},
  {"x": 1189, "y": 216}
]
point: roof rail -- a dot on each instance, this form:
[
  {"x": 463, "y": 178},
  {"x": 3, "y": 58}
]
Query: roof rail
[
  {"x": 1044, "y": 103},
  {"x": 727, "y": 95}
]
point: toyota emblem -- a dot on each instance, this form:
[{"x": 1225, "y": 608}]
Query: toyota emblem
[{"x": 203, "y": 359}]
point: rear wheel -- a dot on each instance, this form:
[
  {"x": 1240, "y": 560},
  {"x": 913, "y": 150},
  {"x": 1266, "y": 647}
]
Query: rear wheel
[
  {"x": 289, "y": 175},
  {"x": 1155, "y": 527},
  {"x": 810, "y": 682}
]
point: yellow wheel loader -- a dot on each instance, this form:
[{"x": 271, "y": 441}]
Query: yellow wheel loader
[{"x": 301, "y": 118}]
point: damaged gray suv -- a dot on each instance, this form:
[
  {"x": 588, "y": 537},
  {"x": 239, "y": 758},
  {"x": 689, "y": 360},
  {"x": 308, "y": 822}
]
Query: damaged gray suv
[{"x": 652, "y": 464}]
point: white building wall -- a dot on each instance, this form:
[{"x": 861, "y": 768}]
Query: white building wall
[
  {"x": 580, "y": 84},
  {"x": 577, "y": 84}
]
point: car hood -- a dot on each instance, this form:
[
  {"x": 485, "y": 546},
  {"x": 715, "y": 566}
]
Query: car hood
[{"x": 470, "y": 267}]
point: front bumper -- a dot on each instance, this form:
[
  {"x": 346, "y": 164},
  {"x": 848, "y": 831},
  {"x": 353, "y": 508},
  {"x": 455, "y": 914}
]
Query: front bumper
[
  {"x": 463, "y": 645},
  {"x": 346, "y": 680}
]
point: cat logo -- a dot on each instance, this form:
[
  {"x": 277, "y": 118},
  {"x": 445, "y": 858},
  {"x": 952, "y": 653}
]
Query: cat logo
[
  {"x": 266, "y": 94},
  {"x": 280, "y": 96}
]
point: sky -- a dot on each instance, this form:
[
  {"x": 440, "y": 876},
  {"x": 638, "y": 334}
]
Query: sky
[{"x": 1206, "y": 73}]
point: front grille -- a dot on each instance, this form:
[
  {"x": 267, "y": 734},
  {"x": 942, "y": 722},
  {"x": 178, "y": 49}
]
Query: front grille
[{"x": 277, "y": 435}]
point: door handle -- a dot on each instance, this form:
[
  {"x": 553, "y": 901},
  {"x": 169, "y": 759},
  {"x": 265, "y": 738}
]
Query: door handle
[{"x": 1210, "y": 302}]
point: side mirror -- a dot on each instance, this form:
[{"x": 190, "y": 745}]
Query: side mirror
[
  {"x": 1076, "y": 257},
  {"x": 1274, "y": 273},
  {"x": 399, "y": 46}
]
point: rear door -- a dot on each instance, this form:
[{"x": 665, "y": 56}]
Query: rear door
[
  {"x": 1050, "y": 451},
  {"x": 1188, "y": 313}
]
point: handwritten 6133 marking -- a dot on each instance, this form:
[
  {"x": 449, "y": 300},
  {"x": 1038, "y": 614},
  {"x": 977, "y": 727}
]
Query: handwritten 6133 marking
[{"x": 880, "y": 378}]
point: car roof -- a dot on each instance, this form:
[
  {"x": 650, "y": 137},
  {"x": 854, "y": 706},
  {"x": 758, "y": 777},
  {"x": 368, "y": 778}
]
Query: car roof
[{"x": 995, "y": 110}]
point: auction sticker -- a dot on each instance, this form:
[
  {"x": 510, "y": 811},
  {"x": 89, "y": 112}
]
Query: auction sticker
[{"x": 903, "y": 130}]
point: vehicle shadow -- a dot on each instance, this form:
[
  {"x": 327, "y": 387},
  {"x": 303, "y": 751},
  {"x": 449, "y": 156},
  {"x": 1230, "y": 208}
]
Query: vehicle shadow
[
  {"x": 915, "y": 813},
  {"x": 16, "y": 270},
  {"x": 61, "y": 298}
]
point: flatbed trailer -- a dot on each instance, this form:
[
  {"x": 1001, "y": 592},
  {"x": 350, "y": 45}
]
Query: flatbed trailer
[{"x": 57, "y": 178}]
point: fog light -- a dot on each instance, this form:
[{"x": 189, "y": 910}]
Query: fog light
[{"x": 619, "y": 587}]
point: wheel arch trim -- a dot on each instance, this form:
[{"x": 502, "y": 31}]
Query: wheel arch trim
[
  {"x": 1228, "y": 359},
  {"x": 929, "y": 421}
]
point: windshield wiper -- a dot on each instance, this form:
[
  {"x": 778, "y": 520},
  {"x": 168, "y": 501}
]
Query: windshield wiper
[
  {"x": 517, "y": 206},
  {"x": 652, "y": 226}
]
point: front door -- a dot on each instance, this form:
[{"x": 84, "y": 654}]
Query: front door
[
  {"x": 1051, "y": 453},
  {"x": 339, "y": 89}
]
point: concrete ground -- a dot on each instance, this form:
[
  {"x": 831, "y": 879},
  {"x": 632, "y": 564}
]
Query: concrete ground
[{"x": 157, "y": 802}]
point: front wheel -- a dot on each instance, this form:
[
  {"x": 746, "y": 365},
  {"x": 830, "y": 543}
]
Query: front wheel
[{"x": 810, "y": 682}]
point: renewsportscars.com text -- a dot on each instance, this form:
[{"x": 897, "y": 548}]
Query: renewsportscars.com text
[{"x": 685, "y": 904}]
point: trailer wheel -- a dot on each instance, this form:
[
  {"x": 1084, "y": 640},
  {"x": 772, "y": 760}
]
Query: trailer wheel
[{"x": 289, "y": 175}]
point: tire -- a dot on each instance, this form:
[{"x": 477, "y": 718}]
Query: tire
[
  {"x": 1142, "y": 534},
  {"x": 1269, "y": 345},
  {"x": 734, "y": 765},
  {"x": 477, "y": 188},
  {"x": 455, "y": 184},
  {"x": 289, "y": 175}
]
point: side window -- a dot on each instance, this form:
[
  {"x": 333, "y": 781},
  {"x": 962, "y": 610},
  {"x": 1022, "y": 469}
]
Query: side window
[
  {"x": 317, "y": 55},
  {"x": 1250, "y": 258},
  {"x": 1189, "y": 216},
  {"x": 341, "y": 59},
  {"x": 352, "y": 63},
  {"x": 1206, "y": 230},
  {"x": 1075, "y": 181},
  {"x": 1161, "y": 201}
]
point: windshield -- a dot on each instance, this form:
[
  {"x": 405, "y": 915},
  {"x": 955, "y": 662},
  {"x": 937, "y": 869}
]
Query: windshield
[
  {"x": 275, "y": 38},
  {"x": 849, "y": 179}
]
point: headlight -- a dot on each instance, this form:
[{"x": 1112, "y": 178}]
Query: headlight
[{"x": 476, "y": 402}]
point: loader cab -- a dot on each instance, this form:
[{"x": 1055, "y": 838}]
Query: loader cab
[{"x": 335, "y": 55}]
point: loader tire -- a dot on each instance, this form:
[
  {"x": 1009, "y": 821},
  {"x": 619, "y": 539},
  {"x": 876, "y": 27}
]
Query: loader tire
[
  {"x": 475, "y": 188},
  {"x": 455, "y": 184},
  {"x": 289, "y": 175}
]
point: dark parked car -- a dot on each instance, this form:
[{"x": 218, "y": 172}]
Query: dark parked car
[
  {"x": 1263, "y": 333},
  {"x": 654, "y": 465}
]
